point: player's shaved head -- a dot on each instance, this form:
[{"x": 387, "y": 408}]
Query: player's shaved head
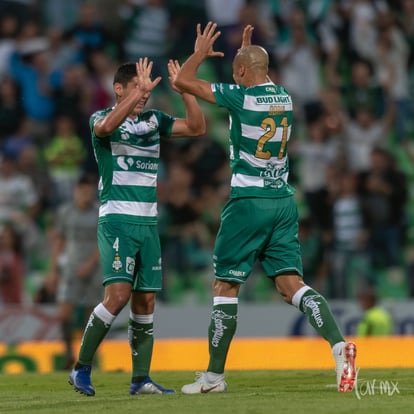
[{"x": 253, "y": 57}]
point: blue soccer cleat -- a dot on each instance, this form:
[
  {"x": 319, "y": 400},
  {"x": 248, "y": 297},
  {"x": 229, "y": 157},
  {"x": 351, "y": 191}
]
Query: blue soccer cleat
[
  {"x": 81, "y": 380},
  {"x": 148, "y": 386}
]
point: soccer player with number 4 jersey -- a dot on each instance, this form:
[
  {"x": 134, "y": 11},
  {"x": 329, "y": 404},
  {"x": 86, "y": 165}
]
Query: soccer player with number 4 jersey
[
  {"x": 260, "y": 221},
  {"x": 126, "y": 142}
]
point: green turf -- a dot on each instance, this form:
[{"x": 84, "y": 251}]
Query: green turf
[{"x": 250, "y": 392}]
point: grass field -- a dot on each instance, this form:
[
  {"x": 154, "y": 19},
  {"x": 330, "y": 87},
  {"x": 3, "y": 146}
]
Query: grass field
[{"x": 378, "y": 391}]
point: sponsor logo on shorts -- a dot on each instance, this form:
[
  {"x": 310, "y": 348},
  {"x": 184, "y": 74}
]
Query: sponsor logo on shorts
[
  {"x": 157, "y": 268},
  {"x": 130, "y": 265},
  {"x": 116, "y": 263},
  {"x": 237, "y": 273}
]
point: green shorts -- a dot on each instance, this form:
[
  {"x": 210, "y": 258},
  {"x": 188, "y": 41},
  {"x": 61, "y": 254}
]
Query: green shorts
[
  {"x": 130, "y": 253},
  {"x": 264, "y": 229}
]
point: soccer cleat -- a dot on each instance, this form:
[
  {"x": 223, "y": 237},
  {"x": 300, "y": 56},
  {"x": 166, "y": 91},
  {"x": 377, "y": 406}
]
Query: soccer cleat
[
  {"x": 81, "y": 380},
  {"x": 345, "y": 354},
  {"x": 203, "y": 386},
  {"x": 148, "y": 386}
]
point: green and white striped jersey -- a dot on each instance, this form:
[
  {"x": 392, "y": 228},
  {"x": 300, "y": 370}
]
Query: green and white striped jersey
[
  {"x": 260, "y": 128},
  {"x": 128, "y": 166}
]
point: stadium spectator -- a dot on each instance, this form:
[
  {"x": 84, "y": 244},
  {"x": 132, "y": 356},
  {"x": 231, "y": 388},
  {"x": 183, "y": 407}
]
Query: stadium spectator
[
  {"x": 60, "y": 14},
  {"x": 185, "y": 238},
  {"x": 23, "y": 10},
  {"x": 363, "y": 15},
  {"x": 60, "y": 53},
  {"x": 183, "y": 15},
  {"x": 148, "y": 33},
  {"x": 72, "y": 96},
  {"x": 88, "y": 33},
  {"x": 19, "y": 202},
  {"x": 12, "y": 266},
  {"x": 30, "y": 163},
  {"x": 228, "y": 18},
  {"x": 64, "y": 154},
  {"x": 376, "y": 320},
  {"x": 314, "y": 261},
  {"x": 29, "y": 67},
  {"x": 74, "y": 276},
  {"x": 391, "y": 63},
  {"x": 8, "y": 34},
  {"x": 301, "y": 51},
  {"x": 405, "y": 19},
  {"x": 15, "y": 142},
  {"x": 126, "y": 140},
  {"x": 261, "y": 121},
  {"x": 362, "y": 134},
  {"x": 11, "y": 109},
  {"x": 363, "y": 90},
  {"x": 349, "y": 262},
  {"x": 255, "y": 13},
  {"x": 315, "y": 152},
  {"x": 384, "y": 192},
  {"x": 74, "y": 99},
  {"x": 100, "y": 73}
]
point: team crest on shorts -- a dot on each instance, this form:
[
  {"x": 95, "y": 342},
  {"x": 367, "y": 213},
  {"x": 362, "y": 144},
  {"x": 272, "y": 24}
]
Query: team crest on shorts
[{"x": 117, "y": 264}]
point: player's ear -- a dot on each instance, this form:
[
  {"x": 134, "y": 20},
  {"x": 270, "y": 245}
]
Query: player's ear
[
  {"x": 118, "y": 89},
  {"x": 242, "y": 70}
]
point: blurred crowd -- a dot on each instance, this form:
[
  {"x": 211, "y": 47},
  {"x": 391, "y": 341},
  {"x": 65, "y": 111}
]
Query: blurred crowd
[{"x": 349, "y": 66}]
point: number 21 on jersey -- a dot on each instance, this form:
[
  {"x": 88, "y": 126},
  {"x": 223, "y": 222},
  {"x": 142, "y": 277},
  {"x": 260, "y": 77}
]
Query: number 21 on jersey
[{"x": 269, "y": 125}]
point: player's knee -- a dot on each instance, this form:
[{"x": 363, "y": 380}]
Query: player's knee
[
  {"x": 288, "y": 285},
  {"x": 285, "y": 296},
  {"x": 115, "y": 302},
  {"x": 224, "y": 288}
]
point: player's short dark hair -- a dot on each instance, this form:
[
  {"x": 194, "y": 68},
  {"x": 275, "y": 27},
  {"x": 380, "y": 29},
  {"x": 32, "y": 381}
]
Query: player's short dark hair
[{"x": 125, "y": 73}]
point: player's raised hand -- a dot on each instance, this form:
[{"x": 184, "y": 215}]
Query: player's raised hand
[
  {"x": 205, "y": 40},
  {"x": 144, "y": 68},
  {"x": 247, "y": 36},
  {"x": 173, "y": 69}
]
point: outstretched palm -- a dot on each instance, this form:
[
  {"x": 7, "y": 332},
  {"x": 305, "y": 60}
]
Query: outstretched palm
[
  {"x": 205, "y": 40},
  {"x": 247, "y": 36},
  {"x": 144, "y": 68},
  {"x": 173, "y": 69}
]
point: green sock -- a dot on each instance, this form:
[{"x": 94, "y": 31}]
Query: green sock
[
  {"x": 319, "y": 314},
  {"x": 141, "y": 341},
  {"x": 222, "y": 327},
  {"x": 94, "y": 333}
]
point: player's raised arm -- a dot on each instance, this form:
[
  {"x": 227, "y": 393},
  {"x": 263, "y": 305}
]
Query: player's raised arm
[
  {"x": 247, "y": 36},
  {"x": 194, "y": 123},
  {"x": 128, "y": 97},
  {"x": 186, "y": 79}
]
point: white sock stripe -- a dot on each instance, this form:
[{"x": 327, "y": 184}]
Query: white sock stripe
[
  {"x": 141, "y": 318},
  {"x": 298, "y": 295},
  {"x": 102, "y": 313},
  {"x": 224, "y": 300}
]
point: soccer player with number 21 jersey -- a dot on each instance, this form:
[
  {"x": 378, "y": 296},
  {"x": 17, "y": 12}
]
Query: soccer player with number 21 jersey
[{"x": 260, "y": 220}]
